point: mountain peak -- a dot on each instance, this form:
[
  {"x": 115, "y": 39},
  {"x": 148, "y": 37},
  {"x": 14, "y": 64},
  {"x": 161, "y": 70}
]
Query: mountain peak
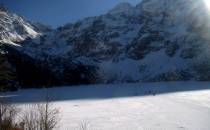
[{"x": 123, "y": 7}]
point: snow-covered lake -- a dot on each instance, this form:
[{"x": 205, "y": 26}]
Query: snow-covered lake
[{"x": 140, "y": 106}]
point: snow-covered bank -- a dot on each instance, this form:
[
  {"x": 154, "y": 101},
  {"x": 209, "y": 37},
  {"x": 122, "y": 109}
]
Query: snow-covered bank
[{"x": 142, "y": 106}]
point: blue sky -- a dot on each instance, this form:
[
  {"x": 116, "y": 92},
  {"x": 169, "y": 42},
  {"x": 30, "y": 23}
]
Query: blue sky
[{"x": 59, "y": 12}]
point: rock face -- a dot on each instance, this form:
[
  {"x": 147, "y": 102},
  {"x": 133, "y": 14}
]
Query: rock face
[{"x": 156, "y": 40}]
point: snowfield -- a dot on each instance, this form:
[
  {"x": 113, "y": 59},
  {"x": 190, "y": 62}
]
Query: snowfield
[{"x": 141, "y": 106}]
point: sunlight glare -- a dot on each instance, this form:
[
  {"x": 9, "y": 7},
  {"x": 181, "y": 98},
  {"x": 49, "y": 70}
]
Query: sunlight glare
[{"x": 207, "y": 2}]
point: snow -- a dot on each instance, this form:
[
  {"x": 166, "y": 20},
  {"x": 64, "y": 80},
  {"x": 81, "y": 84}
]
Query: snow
[
  {"x": 163, "y": 64},
  {"x": 120, "y": 70},
  {"x": 30, "y": 31},
  {"x": 15, "y": 28},
  {"x": 10, "y": 42},
  {"x": 140, "y": 106}
]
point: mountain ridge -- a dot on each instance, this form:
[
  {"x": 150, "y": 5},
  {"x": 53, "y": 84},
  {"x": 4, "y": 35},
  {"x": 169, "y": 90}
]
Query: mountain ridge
[{"x": 163, "y": 40}]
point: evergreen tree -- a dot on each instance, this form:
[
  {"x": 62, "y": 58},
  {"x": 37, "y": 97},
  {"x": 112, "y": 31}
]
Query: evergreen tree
[{"x": 7, "y": 73}]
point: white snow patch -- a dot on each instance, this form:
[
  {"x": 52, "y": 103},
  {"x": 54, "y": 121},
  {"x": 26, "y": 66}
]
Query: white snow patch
[
  {"x": 120, "y": 70},
  {"x": 30, "y": 31}
]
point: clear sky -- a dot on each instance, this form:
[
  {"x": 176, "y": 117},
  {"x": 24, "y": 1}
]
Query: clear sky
[{"x": 59, "y": 12}]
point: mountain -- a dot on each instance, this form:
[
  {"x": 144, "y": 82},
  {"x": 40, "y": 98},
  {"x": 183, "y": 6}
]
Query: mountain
[
  {"x": 14, "y": 28},
  {"x": 156, "y": 40}
]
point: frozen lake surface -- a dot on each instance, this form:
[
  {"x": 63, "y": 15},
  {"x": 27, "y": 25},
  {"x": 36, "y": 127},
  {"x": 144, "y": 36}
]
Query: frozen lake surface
[{"x": 140, "y": 106}]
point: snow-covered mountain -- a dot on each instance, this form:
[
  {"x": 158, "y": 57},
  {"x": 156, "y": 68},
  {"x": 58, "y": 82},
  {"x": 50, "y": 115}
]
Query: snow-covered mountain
[
  {"x": 155, "y": 40},
  {"x": 14, "y": 28}
]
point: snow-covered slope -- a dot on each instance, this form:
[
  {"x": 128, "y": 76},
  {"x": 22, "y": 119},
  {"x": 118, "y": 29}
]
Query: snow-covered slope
[
  {"x": 147, "y": 106},
  {"x": 14, "y": 28},
  {"x": 155, "y": 40}
]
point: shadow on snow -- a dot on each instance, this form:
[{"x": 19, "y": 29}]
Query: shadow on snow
[{"x": 94, "y": 92}]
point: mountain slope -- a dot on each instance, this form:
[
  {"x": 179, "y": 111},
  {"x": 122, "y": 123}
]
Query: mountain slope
[{"x": 14, "y": 28}]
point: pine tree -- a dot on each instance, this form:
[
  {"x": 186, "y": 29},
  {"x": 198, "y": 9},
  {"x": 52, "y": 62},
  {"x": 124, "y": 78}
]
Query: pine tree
[{"x": 7, "y": 73}]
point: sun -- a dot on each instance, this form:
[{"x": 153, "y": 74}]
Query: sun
[{"x": 207, "y": 2}]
